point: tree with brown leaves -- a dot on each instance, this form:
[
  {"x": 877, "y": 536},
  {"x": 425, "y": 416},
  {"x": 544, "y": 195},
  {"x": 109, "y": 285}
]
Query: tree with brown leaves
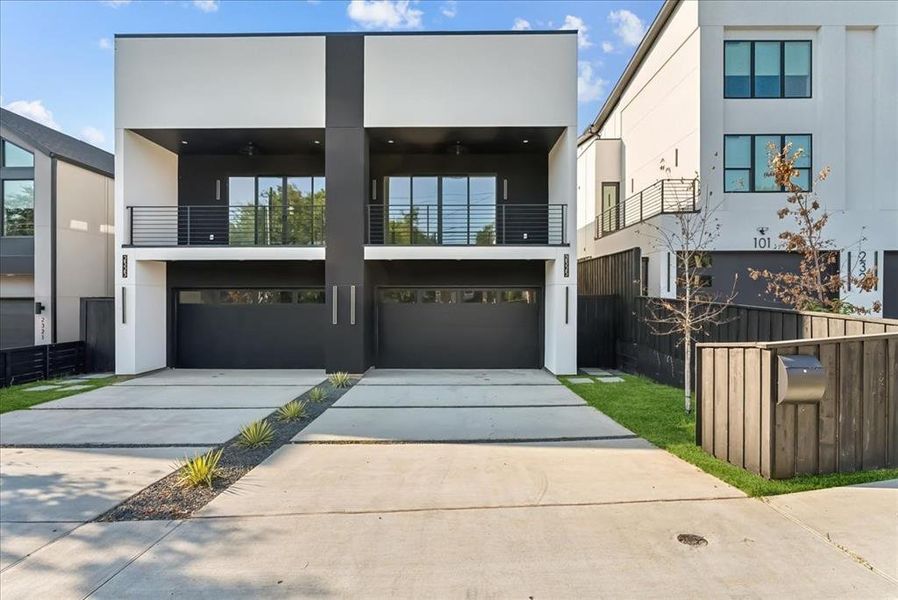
[{"x": 818, "y": 283}]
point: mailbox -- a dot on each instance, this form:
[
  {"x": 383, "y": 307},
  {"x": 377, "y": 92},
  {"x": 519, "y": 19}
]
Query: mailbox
[{"x": 801, "y": 379}]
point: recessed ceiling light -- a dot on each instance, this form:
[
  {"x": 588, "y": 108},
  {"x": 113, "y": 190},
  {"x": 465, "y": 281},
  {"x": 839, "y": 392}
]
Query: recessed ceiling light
[
  {"x": 390, "y": 141},
  {"x": 317, "y": 141},
  {"x": 526, "y": 141},
  {"x": 184, "y": 142}
]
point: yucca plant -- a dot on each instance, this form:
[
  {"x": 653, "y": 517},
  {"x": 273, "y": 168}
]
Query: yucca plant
[
  {"x": 256, "y": 434},
  {"x": 317, "y": 394},
  {"x": 292, "y": 411},
  {"x": 199, "y": 470},
  {"x": 340, "y": 379}
]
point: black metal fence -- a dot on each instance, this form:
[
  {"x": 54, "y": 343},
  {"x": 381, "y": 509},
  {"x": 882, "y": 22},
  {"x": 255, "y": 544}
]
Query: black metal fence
[
  {"x": 467, "y": 224},
  {"x": 249, "y": 225},
  {"x": 31, "y": 363}
]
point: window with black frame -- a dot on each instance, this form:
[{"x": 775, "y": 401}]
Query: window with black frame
[
  {"x": 746, "y": 161},
  {"x": 447, "y": 209},
  {"x": 276, "y": 211},
  {"x": 767, "y": 69},
  {"x": 17, "y": 183}
]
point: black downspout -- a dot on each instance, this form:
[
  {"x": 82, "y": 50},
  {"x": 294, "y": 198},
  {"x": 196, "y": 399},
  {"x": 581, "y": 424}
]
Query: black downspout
[{"x": 52, "y": 249}]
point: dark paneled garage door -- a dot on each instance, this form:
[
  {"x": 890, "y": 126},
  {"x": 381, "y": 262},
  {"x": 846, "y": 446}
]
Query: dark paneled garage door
[
  {"x": 250, "y": 328},
  {"x": 16, "y": 322},
  {"x": 462, "y": 328}
]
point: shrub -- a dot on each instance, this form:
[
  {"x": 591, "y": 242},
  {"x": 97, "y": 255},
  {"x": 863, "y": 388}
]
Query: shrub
[
  {"x": 199, "y": 470},
  {"x": 292, "y": 411},
  {"x": 340, "y": 379},
  {"x": 317, "y": 394},
  {"x": 256, "y": 434}
]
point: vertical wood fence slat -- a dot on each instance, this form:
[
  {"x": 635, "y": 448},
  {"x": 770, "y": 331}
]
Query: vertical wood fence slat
[
  {"x": 850, "y": 394},
  {"x": 736, "y": 407},
  {"x": 828, "y": 415},
  {"x": 721, "y": 408},
  {"x": 874, "y": 405}
]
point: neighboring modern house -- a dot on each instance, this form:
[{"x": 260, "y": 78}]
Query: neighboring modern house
[
  {"x": 710, "y": 86},
  {"x": 346, "y": 201},
  {"x": 56, "y": 231}
]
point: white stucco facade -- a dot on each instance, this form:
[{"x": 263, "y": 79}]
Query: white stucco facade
[{"x": 674, "y": 110}]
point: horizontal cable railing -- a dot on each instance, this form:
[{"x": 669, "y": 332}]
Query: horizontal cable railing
[
  {"x": 245, "y": 225},
  {"x": 467, "y": 225},
  {"x": 667, "y": 196}
]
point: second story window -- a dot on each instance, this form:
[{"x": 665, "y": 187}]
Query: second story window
[
  {"x": 746, "y": 159},
  {"x": 767, "y": 69},
  {"x": 17, "y": 183}
]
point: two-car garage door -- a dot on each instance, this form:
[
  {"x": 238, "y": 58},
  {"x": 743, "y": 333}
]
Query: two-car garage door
[
  {"x": 251, "y": 328},
  {"x": 477, "y": 328}
]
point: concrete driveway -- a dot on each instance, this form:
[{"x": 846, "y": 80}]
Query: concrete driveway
[
  {"x": 464, "y": 484},
  {"x": 68, "y": 461}
]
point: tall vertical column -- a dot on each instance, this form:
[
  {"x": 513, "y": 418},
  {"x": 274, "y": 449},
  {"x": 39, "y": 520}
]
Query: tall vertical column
[{"x": 346, "y": 169}]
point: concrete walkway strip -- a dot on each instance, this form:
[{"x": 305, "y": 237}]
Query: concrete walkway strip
[
  {"x": 353, "y": 477},
  {"x": 860, "y": 519},
  {"x": 423, "y": 424},
  {"x": 152, "y": 426},
  {"x": 173, "y": 396},
  {"x": 459, "y": 396},
  {"x": 78, "y": 564},
  {"x": 612, "y": 551},
  {"x": 458, "y": 377},
  {"x": 228, "y": 377}
]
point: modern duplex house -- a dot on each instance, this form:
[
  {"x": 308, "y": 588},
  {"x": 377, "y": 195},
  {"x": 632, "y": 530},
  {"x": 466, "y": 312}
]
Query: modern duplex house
[
  {"x": 709, "y": 88},
  {"x": 346, "y": 201},
  {"x": 56, "y": 231}
]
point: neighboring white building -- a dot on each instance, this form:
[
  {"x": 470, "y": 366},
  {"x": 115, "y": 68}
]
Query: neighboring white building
[
  {"x": 56, "y": 238},
  {"x": 709, "y": 86},
  {"x": 346, "y": 201}
]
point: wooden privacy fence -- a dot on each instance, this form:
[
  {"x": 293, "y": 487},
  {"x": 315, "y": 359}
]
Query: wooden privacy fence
[
  {"x": 854, "y": 425},
  {"x": 661, "y": 358},
  {"x": 21, "y": 365}
]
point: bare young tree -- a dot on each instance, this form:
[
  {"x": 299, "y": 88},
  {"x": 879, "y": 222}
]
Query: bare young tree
[
  {"x": 818, "y": 283},
  {"x": 689, "y": 236}
]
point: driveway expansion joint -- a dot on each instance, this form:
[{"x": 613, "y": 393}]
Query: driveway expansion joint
[
  {"x": 404, "y": 406},
  {"x": 467, "y": 441}
]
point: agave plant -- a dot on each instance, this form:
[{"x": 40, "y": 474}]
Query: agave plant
[
  {"x": 339, "y": 379},
  {"x": 317, "y": 394},
  {"x": 256, "y": 434},
  {"x": 292, "y": 411},
  {"x": 199, "y": 470}
]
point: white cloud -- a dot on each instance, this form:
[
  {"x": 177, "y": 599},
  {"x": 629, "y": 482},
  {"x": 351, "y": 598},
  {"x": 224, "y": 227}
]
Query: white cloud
[
  {"x": 207, "y": 6},
  {"x": 449, "y": 9},
  {"x": 34, "y": 110},
  {"x": 590, "y": 87},
  {"x": 116, "y": 3},
  {"x": 92, "y": 135},
  {"x": 384, "y": 14},
  {"x": 521, "y": 24},
  {"x": 572, "y": 22},
  {"x": 628, "y": 27},
  {"x": 607, "y": 47},
  {"x": 105, "y": 43}
]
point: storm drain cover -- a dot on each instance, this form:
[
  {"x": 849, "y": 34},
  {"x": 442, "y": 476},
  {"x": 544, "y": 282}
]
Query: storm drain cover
[{"x": 690, "y": 539}]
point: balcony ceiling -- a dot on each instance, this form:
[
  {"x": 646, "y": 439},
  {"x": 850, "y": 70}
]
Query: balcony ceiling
[
  {"x": 474, "y": 140},
  {"x": 237, "y": 141}
]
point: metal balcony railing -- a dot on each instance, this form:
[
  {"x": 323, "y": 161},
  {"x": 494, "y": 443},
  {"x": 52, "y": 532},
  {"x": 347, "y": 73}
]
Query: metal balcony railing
[
  {"x": 467, "y": 225},
  {"x": 247, "y": 225},
  {"x": 667, "y": 196}
]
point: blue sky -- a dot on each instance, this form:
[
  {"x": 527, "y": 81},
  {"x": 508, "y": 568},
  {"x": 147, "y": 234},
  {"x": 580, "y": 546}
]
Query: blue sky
[{"x": 56, "y": 58}]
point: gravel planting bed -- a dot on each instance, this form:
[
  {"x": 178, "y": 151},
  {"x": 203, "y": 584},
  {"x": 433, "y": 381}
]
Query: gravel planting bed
[{"x": 168, "y": 499}]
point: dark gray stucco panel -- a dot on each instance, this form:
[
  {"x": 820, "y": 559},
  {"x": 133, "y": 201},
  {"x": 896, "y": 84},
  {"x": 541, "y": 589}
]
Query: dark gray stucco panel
[{"x": 347, "y": 342}]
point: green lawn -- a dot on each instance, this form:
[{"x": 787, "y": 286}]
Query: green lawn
[
  {"x": 16, "y": 398},
  {"x": 655, "y": 412}
]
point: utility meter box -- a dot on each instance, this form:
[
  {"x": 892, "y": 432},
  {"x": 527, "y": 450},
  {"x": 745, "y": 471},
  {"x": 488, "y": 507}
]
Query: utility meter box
[{"x": 801, "y": 379}]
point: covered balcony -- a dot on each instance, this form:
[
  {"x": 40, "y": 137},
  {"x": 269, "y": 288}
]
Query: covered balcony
[
  {"x": 666, "y": 196},
  {"x": 459, "y": 187}
]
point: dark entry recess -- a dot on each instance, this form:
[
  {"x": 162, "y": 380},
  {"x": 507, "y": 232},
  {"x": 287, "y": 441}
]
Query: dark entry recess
[
  {"x": 458, "y": 327},
  {"x": 16, "y": 322},
  {"x": 250, "y": 328}
]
